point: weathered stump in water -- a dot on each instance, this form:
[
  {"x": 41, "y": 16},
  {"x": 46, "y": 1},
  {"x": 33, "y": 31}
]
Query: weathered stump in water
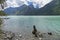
[{"x": 34, "y": 31}]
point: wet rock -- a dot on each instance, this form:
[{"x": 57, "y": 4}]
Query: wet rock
[
  {"x": 49, "y": 33},
  {"x": 40, "y": 35}
]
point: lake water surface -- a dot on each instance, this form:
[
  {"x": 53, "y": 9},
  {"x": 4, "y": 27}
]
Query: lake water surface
[{"x": 25, "y": 24}]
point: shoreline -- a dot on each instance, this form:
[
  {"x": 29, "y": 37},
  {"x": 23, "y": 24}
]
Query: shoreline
[{"x": 8, "y": 35}]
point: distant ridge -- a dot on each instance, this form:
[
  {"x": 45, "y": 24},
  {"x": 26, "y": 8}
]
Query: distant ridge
[{"x": 30, "y": 10}]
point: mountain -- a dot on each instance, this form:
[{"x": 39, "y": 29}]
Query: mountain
[{"x": 51, "y": 8}]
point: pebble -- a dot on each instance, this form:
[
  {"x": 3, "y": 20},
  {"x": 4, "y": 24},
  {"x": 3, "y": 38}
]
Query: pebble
[
  {"x": 20, "y": 35},
  {"x": 40, "y": 38},
  {"x": 8, "y": 35}
]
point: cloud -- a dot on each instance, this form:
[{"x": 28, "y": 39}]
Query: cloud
[{"x": 35, "y": 3}]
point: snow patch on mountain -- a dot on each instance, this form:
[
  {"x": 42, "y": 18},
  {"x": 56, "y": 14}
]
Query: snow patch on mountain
[{"x": 35, "y": 3}]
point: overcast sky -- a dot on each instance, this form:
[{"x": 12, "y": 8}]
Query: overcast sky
[{"x": 17, "y": 3}]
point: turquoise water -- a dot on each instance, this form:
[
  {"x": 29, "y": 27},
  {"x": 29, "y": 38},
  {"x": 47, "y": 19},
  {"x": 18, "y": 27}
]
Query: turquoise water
[{"x": 25, "y": 24}]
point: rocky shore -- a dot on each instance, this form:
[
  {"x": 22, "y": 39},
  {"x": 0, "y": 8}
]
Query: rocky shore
[{"x": 7, "y": 35}]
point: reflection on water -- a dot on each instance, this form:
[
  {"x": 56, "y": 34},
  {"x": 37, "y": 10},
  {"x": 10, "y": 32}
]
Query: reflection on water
[{"x": 25, "y": 23}]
